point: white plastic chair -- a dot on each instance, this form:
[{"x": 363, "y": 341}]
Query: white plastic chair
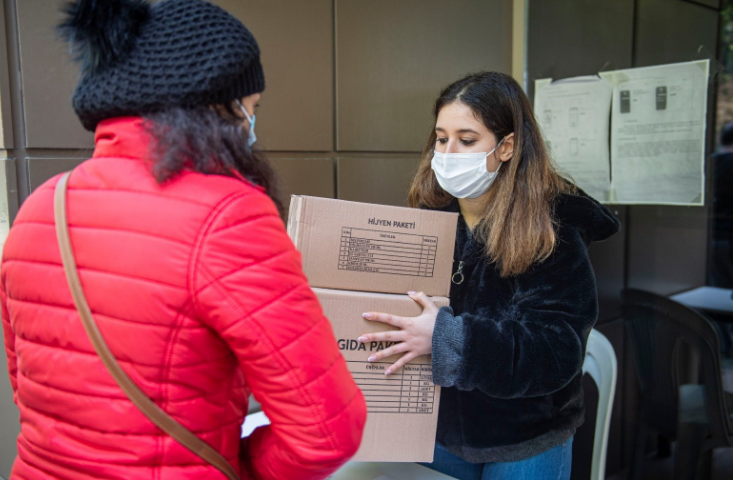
[{"x": 600, "y": 364}]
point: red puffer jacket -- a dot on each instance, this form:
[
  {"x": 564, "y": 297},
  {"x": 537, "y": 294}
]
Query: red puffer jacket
[{"x": 201, "y": 297}]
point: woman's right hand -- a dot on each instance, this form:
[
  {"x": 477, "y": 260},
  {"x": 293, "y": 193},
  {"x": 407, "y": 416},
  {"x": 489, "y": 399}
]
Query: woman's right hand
[{"x": 415, "y": 336}]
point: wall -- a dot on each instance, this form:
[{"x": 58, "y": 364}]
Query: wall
[
  {"x": 661, "y": 249},
  {"x": 350, "y": 86},
  {"x": 347, "y": 108}
]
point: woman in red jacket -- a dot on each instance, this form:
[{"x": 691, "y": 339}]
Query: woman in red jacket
[{"x": 185, "y": 263}]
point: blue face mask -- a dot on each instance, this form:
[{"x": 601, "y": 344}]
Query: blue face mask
[{"x": 252, "y": 137}]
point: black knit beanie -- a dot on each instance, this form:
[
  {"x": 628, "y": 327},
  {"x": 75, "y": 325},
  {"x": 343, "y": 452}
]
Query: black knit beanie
[{"x": 138, "y": 59}]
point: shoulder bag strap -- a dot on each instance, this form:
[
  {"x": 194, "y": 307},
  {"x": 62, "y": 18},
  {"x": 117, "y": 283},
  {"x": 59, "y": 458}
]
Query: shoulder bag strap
[{"x": 161, "y": 419}]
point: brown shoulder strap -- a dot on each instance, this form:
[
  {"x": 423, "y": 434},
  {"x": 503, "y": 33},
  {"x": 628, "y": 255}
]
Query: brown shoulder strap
[{"x": 161, "y": 419}]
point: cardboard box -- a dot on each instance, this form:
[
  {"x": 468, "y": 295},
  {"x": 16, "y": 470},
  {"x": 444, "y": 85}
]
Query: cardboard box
[
  {"x": 402, "y": 407},
  {"x": 374, "y": 248}
]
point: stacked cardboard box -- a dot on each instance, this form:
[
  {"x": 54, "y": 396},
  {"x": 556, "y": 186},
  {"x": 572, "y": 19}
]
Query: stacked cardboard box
[{"x": 365, "y": 258}]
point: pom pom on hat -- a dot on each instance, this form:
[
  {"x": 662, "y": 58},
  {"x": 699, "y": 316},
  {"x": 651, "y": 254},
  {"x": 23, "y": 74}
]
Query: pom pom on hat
[{"x": 102, "y": 31}]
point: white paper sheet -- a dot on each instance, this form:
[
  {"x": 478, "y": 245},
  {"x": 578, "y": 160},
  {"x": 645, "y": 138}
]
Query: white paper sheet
[
  {"x": 2, "y": 128},
  {"x": 574, "y": 116},
  {"x": 252, "y": 421},
  {"x": 4, "y": 210},
  {"x": 658, "y": 134}
]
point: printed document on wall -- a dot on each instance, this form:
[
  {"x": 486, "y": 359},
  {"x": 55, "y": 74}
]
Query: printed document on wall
[
  {"x": 574, "y": 115},
  {"x": 4, "y": 210},
  {"x": 658, "y": 134}
]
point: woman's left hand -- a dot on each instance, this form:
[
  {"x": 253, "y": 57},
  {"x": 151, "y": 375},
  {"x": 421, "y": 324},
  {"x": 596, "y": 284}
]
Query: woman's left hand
[{"x": 415, "y": 336}]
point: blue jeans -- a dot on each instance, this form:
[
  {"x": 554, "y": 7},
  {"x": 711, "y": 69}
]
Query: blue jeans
[{"x": 553, "y": 464}]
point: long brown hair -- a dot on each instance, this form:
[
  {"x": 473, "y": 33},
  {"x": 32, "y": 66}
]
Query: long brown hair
[{"x": 517, "y": 225}]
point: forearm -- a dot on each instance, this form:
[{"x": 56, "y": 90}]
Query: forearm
[
  {"x": 449, "y": 339},
  {"x": 505, "y": 358}
]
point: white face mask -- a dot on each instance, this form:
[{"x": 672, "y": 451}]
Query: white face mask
[
  {"x": 252, "y": 137},
  {"x": 464, "y": 175}
]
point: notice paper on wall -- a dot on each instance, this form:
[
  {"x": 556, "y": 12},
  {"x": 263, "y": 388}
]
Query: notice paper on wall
[
  {"x": 574, "y": 116},
  {"x": 658, "y": 134},
  {"x": 634, "y": 136},
  {"x": 2, "y": 129},
  {"x": 4, "y": 210}
]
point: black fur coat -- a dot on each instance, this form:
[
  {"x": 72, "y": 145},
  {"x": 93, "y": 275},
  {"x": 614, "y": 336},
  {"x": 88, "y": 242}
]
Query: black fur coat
[{"x": 509, "y": 351}]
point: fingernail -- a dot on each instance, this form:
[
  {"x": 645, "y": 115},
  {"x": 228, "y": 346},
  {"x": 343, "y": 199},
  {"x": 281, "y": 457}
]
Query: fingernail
[
  {"x": 387, "y": 372},
  {"x": 366, "y": 315},
  {"x": 411, "y": 293},
  {"x": 371, "y": 359},
  {"x": 362, "y": 339}
]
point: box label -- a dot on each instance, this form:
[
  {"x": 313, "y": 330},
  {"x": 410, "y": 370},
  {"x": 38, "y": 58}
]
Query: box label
[
  {"x": 376, "y": 251},
  {"x": 409, "y": 390}
]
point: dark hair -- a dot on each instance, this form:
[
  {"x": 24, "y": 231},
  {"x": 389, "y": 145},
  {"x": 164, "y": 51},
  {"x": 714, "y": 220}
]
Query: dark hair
[
  {"x": 518, "y": 224},
  {"x": 208, "y": 140},
  {"x": 726, "y": 135}
]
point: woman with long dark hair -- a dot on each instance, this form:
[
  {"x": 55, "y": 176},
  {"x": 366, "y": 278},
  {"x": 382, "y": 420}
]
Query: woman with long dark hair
[
  {"x": 509, "y": 350},
  {"x": 185, "y": 264}
]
